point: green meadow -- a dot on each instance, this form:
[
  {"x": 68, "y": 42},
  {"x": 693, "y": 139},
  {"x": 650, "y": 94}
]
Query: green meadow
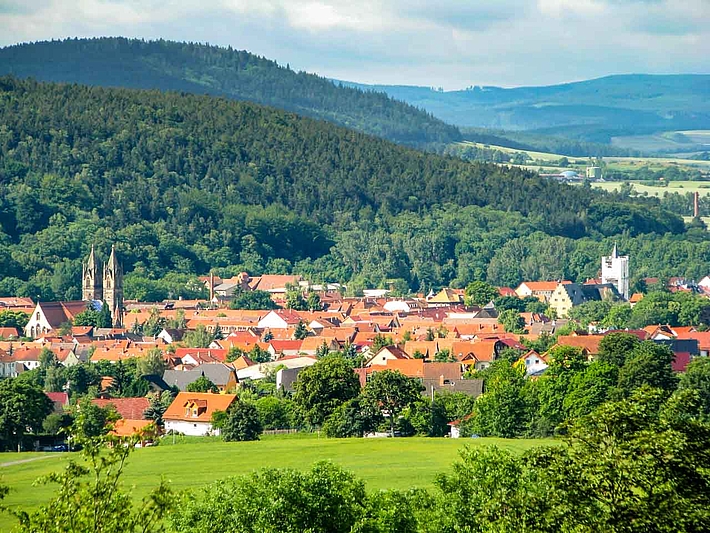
[{"x": 190, "y": 463}]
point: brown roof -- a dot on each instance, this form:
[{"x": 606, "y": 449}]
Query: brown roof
[
  {"x": 214, "y": 402},
  {"x": 588, "y": 343},
  {"x": 129, "y": 408}
]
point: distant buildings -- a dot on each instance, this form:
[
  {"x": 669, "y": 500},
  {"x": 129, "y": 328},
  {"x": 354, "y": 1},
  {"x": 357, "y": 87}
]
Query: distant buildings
[{"x": 108, "y": 288}]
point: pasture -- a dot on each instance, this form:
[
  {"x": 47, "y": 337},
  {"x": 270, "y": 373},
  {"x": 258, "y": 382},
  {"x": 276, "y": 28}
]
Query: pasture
[{"x": 382, "y": 463}]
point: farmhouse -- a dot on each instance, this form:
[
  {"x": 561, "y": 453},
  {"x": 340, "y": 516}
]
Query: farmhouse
[{"x": 191, "y": 412}]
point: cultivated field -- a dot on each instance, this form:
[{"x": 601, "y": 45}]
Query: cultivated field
[
  {"x": 681, "y": 187},
  {"x": 382, "y": 463}
]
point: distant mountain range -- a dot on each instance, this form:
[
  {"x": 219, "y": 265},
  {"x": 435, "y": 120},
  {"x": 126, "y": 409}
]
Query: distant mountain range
[
  {"x": 593, "y": 110},
  {"x": 204, "y": 69}
]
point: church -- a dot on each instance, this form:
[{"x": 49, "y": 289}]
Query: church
[{"x": 104, "y": 285}]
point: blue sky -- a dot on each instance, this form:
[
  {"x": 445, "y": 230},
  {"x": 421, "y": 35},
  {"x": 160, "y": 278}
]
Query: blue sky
[{"x": 450, "y": 44}]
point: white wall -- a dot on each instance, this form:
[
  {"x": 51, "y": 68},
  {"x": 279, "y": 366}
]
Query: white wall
[{"x": 195, "y": 429}]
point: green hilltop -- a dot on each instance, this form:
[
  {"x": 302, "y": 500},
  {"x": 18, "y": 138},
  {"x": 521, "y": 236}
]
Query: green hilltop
[{"x": 205, "y": 69}]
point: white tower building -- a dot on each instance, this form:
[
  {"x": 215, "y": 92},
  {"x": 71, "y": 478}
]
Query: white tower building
[{"x": 615, "y": 270}]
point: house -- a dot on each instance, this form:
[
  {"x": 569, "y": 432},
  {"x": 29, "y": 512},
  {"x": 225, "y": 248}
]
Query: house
[
  {"x": 534, "y": 363},
  {"x": 8, "y": 333},
  {"x": 171, "y": 335},
  {"x": 569, "y": 295},
  {"x": 274, "y": 283},
  {"x": 542, "y": 290},
  {"x": 589, "y": 344},
  {"x": 191, "y": 412},
  {"x": 60, "y": 401},
  {"x": 280, "y": 348},
  {"x": 446, "y": 297},
  {"x": 279, "y": 319},
  {"x": 385, "y": 354},
  {"x": 311, "y": 345},
  {"x": 222, "y": 375},
  {"x": 260, "y": 370},
  {"x": 48, "y": 316}
]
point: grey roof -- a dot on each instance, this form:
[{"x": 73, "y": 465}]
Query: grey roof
[{"x": 217, "y": 373}]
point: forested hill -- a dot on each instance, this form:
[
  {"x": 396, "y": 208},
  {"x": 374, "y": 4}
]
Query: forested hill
[
  {"x": 187, "y": 182},
  {"x": 593, "y": 110},
  {"x": 203, "y": 69}
]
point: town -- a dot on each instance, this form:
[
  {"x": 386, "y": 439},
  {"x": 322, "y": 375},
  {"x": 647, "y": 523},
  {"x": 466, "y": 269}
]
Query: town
[{"x": 204, "y": 350}]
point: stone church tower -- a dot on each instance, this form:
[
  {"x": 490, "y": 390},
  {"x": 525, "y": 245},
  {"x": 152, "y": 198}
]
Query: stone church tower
[
  {"x": 113, "y": 288},
  {"x": 615, "y": 270},
  {"x": 107, "y": 287},
  {"x": 91, "y": 284}
]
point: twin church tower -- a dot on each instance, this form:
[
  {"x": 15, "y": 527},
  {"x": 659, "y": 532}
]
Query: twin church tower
[{"x": 107, "y": 288}]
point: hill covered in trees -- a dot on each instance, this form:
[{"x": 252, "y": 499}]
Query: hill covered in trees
[
  {"x": 204, "y": 69},
  {"x": 591, "y": 110},
  {"x": 187, "y": 183}
]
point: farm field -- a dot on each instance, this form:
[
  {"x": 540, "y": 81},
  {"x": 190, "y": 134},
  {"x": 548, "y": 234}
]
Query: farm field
[
  {"x": 681, "y": 187},
  {"x": 665, "y": 141},
  {"x": 547, "y": 162},
  {"x": 382, "y": 463}
]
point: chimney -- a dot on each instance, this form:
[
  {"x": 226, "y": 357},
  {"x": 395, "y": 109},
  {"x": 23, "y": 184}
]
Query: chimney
[{"x": 696, "y": 204}]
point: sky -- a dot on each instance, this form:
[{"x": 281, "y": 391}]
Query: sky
[{"x": 436, "y": 43}]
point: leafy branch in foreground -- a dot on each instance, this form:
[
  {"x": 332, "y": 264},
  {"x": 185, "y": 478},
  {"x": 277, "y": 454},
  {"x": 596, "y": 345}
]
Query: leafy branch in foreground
[{"x": 90, "y": 498}]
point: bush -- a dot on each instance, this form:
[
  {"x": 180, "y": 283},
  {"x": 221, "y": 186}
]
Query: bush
[{"x": 242, "y": 422}]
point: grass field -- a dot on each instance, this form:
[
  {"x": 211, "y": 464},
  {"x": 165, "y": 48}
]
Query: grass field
[
  {"x": 381, "y": 463},
  {"x": 681, "y": 187}
]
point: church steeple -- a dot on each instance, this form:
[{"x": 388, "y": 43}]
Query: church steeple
[
  {"x": 91, "y": 286},
  {"x": 113, "y": 288}
]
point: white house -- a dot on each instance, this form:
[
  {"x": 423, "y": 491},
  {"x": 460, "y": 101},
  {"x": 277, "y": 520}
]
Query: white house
[
  {"x": 48, "y": 316},
  {"x": 279, "y": 319},
  {"x": 191, "y": 412}
]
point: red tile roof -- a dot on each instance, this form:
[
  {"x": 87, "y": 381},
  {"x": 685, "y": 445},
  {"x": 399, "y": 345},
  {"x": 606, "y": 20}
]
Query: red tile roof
[{"x": 129, "y": 408}]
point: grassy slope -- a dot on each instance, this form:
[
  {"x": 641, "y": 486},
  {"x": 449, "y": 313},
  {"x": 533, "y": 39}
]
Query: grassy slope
[{"x": 381, "y": 463}]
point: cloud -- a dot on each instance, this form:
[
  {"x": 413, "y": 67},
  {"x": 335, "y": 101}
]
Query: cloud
[{"x": 453, "y": 43}]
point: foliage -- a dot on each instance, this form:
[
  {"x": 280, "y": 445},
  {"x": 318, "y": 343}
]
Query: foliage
[
  {"x": 379, "y": 341},
  {"x": 480, "y": 293},
  {"x": 153, "y": 364},
  {"x": 301, "y": 331},
  {"x": 353, "y": 418},
  {"x": 511, "y": 321},
  {"x": 90, "y": 498},
  {"x": 13, "y": 319},
  {"x": 325, "y": 499},
  {"x": 697, "y": 378},
  {"x": 158, "y": 403},
  {"x": 502, "y": 409},
  {"x": 649, "y": 364},
  {"x": 323, "y": 387},
  {"x": 92, "y": 421},
  {"x": 277, "y": 413},
  {"x": 255, "y": 300},
  {"x": 198, "y": 338},
  {"x": 391, "y": 392},
  {"x": 202, "y": 384},
  {"x": 242, "y": 422},
  {"x": 23, "y": 408},
  {"x": 615, "y": 348}
]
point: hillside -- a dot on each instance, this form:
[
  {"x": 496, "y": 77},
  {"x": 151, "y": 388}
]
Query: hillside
[
  {"x": 185, "y": 183},
  {"x": 203, "y": 69},
  {"x": 593, "y": 110}
]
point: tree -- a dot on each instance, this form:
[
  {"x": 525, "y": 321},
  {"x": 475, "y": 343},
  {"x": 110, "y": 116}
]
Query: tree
[
  {"x": 88, "y": 317},
  {"x": 325, "y": 499},
  {"x": 158, "y": 403},
  {"x": 380, "y": 341},
  {"x": 480, "y": 293},
  {"x": 590, "y": 388},
  {"x": 103, "y": 319},
  {"x": 202, "y": 384},
  {"x": 511, "y": 321},
  {"x": 198, "y": 338},
  {"x": 615, "y": 348},
  {"x": 697, "y": 378},
  {"x": 242, "y": 422},
  {"x": 92, "y": 421},
  {"x": 254, "y": 300},
  {"x": 502, "y": 410},
  {"x": 13, "y": 319},
  {"x": 301, "y": 331},
  {"x": 353, "y": 418},
  {"x": 276, "y": 413},
  {"x": 90, "y": 496},
  {"x": 153, "y": 364},
  {"x": 295, "y": 301},
  {"x": 391, "y": 392},
  {"x": 23, "y": 407},
  {"x": 648, "y": 364},
  {"x": 321, "y": 388},
  {"x": 313, "y": 302}
]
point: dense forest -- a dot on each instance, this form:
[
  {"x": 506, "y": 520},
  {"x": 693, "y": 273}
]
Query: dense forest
[
  {"x": 204, "y": 69},
  {"x": 187, "y": 183}
]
